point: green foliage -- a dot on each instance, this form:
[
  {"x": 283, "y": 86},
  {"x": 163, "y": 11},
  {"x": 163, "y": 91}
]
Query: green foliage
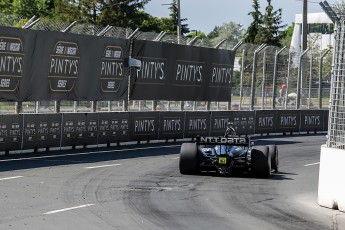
[
  {"x": 232, "y": 32},
  {"x": 102, "y": 12},
  {"x": 265, "y": 28},
  {"x": 66, "y": 11},
  {"x": 174, "y": 17},
  {"x": 286, "y": 35},
  {"x": 122, "y": 13},
  {"x": 214, "y": 33},
  {"x": 269, "y": 32},
  {"x": 254, "y": 27},
  {"x": 198, "y": 33}
]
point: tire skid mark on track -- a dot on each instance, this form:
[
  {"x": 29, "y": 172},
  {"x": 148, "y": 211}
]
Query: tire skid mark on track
[{"x": 141, "y": 197}]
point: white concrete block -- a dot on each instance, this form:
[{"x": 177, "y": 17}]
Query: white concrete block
[{"x": 331, "y": 193}]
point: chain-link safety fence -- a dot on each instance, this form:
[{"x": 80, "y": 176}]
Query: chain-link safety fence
[
  {"x": 336, "y": 126},
  {"x": 264, "y": 77}
]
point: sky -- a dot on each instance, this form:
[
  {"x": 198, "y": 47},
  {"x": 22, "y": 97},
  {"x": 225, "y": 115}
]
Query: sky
[{"x": 204, "y": 15}]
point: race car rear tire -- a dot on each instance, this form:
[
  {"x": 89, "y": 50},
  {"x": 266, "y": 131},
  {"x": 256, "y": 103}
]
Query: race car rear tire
[
  {"x": 261, "y": 162},
  {"x": 273, "y": 150},
  {"x": 188, "y": 159}
]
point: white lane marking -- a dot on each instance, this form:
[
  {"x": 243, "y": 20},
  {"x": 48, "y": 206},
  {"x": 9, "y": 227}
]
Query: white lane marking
[
  {"x": 175, "y": 158},
  {"x": 317, "y": 163},
  {"x": 9, "y": 178},
  {"x": 102, "y": 166},
  {"x": 87, "y": 153},
  {"x": 68, "y": 209}
]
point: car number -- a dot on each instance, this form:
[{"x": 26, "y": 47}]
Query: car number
[{"x": 222, "y": 160}]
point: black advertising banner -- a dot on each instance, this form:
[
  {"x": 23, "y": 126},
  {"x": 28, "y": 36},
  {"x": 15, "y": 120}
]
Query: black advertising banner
[
  {"x": 244, "y": 122},
  {"x": 11, "y": 127},
  {"x": 265, "y": 121},
  {"x": 113, "y": 127},
  {"x": 288, "y": 121},
  {"x": 79, "y": 129},
  {"x": 79, "y": 67},
  {"x": 220, "y": 121},
  {"x": 171, "y": 125},
  {"x": 196, "y": 73},
  {"x": 197, "y": 124},
  {"x": 42, "y": 130},
  {"x": 16, "y": 48},
  {"x": 311, "y": 120},
  {"x": 61, "y": 66},
  {"x": 143, "y": 126},
  {"x": 114, "y": 72}
]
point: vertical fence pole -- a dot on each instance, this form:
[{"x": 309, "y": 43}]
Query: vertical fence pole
[
  {"x": 288, "y": 80},
  {"x": 275, "y": 73},
  {"x": 310, "y": 80},
  {"x": 253, "y": 85},
  {"x": 109, "y": 106},
  {"x": 235, "y": 48},
  {"x": 263, "y": 82},
  {"x": 57, "y": 106},
  {"x": 75, "y": 105},
  {"x": 299, "y": 79},
  {"x": 244, "y": 59},
  {"x": 18, "y": 107},
  {"x": 37, "y": 105},
  {"x": 320, "y": 77},
  {"x": 93, "y": 106}
]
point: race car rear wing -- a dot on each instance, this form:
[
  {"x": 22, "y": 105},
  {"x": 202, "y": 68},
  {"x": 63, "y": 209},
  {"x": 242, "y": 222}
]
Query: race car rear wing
[{"x": 239, "y": 141}]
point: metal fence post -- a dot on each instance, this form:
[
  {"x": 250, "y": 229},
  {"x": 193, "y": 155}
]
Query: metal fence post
[
  {"x": 93, "y": 106},
  {"x": 18, "y": 107},
  {"x": 256, "y": 52},
  {"x": 244, "y": 58},
  {"x": 234, "y": 49},
  {"x": 57, "y": 106},
  {"x": 75, "y": 106},
  {"x": 310, "y": 81},
  {"x": 37, "y": 107},
  {"x": 263, "y": 81},
  {"x": 288, "y": 79},
  {"x": 275, "y": 73},
  {"x": 299, "y": 79},
  {"x": 320, "y": 77}
]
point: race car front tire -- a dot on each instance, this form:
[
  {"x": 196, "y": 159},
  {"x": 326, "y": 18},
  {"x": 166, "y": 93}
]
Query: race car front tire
[
  {"x": 273, "y": 150},
  {"x": 188, "y": 159},
  {"x": 261, "y": 162}
]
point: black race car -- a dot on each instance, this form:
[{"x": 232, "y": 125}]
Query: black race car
[{"x": 228, "y": 154}]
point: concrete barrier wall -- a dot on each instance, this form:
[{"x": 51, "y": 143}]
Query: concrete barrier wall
[
  {"x": 36, "y": 131},
  {"x": 331, "y": 178}
]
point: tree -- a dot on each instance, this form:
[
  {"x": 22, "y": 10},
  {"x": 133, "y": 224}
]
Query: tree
[
  {"x": 254, "y": 27},
  {"x": 6, "y": 6},
  {"x": 67, "y": 10},
  {"x": 265, "y": 28},
  {"x": 198, "y": 33},
  {"x": 174, "y": 18},
  {"x": 154, "y": 24},
  {"x": 269, "y": 32},
  {"x": 286, "y": 35},
  {"x": 214, "y": 33},
  {"x": 122, "y": 13},
  {"x": 28, "y": 9},
  {"x": 232, "y": 32}
]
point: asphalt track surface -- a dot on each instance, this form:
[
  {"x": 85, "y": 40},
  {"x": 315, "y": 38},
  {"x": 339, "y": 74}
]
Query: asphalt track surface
[{"x": 140, "y": 187}]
